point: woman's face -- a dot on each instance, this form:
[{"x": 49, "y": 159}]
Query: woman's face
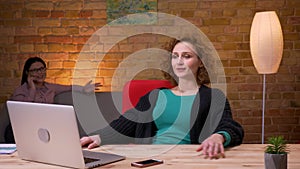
[
  {"x": 37, "y": 72},
  {"x": 185, "y": 62}
]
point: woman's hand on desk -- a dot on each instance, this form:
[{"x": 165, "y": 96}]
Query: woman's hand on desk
[
  {"x": 90, "y": 141},
  {"x": 212, "y": 147}
]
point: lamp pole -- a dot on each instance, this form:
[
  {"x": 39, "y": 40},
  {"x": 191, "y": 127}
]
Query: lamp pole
[{"x": 263, "y": 110}]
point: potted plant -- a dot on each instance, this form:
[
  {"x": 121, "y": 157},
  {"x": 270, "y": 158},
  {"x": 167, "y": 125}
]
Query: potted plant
[{"x": 276, "y": 153}]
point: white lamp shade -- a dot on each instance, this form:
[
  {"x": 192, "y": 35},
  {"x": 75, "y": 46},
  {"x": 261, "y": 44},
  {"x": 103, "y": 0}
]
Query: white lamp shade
[{"x": 266, "y": 42}]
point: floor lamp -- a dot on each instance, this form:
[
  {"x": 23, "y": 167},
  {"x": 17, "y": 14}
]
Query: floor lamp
[{"x": 266, "y": 46}]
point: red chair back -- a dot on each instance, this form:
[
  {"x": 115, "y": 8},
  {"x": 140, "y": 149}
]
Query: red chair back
[{"x": 133, "y": 90}]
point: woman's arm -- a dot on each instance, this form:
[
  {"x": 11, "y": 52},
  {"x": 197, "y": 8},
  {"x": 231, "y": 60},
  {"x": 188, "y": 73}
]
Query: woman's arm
[
  {"x": 87, "y": 88},
  {"x": 125, "y": 128},
  {"x": 232, "y": 127},
  {"x": 227, "y": 132}
]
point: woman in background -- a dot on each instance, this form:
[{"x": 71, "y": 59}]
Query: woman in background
[{"x": 34, "y": 88}]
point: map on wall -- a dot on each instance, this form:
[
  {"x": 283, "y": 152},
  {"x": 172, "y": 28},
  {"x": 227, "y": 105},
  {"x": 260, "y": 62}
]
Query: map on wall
[{"x": 121, "y": 8}]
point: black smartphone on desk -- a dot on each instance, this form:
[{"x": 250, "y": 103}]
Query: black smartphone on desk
[{"x": 147, "y": 163}]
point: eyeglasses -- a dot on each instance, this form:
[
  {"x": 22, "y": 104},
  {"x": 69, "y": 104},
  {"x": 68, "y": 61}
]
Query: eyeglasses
[{"x": 38, "y": 70}]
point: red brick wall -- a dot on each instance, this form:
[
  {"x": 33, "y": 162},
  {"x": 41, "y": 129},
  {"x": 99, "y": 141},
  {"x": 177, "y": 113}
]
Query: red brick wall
[{"x": 58, "y": 30}]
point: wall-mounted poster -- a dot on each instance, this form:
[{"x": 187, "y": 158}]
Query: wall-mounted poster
[{"x": 117, "y": 10}]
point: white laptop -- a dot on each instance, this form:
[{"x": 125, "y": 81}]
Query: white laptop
[{"x": 48, "y": 133}]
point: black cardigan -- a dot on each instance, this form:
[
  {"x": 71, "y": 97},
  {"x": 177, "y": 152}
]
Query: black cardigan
[{"x": 210, "y": 113}]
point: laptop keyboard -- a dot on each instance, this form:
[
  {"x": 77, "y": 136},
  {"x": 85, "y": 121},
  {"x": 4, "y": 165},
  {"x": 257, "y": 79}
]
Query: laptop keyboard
[
  {"x": 94, "y": 159},
  {"x": 89, "y": 160}
]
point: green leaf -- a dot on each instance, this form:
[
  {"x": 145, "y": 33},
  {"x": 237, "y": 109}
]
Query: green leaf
[{"x": 277, "y": 145}]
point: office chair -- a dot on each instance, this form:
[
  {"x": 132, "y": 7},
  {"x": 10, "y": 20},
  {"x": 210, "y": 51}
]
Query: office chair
[{"x": 135, "y": 89}]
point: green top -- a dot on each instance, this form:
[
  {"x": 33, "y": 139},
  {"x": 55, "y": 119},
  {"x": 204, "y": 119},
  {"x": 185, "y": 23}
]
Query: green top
[
  {"x": 172, "y": 118},
  {"x": 171, "y": 115}
]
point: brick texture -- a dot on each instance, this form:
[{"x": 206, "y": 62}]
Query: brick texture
[{"x": 61, "y": 33}]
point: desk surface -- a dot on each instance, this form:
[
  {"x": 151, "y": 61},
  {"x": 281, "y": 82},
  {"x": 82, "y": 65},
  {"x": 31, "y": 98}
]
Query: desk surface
[{"x": 174, "y": 156}]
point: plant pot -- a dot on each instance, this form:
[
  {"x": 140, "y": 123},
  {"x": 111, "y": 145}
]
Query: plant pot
[{"x": 275, "y": 161}]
